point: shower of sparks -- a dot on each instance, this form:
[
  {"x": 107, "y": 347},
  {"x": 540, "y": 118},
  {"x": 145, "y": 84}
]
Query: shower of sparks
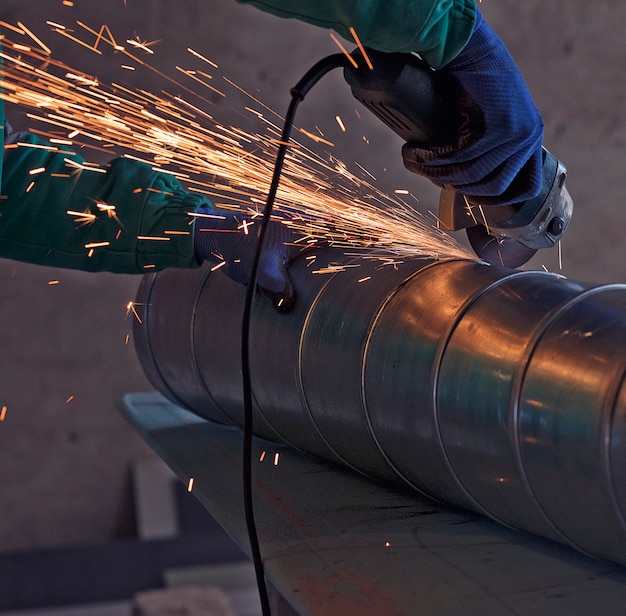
[
  {"x": 318, "y": 196},
  {"x": 130, "y": 307}
]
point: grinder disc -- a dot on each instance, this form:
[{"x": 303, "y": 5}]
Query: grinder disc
[{"x": 503, "y": 251}]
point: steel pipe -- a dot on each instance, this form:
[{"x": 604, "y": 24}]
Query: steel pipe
[{"x": 499, "y": 391}]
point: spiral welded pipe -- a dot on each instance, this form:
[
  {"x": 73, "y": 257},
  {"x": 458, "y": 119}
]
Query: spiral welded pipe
[{"x": 496, "y": 390}]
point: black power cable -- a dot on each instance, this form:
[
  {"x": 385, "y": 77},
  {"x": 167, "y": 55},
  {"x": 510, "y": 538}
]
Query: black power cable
[{"x": 298, "y": 92}]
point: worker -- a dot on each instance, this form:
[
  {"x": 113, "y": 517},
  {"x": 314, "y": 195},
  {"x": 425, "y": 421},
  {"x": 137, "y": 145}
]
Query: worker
[{"x": 496, "y": 157}]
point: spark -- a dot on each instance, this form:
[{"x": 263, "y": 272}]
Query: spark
[
  {"x": 364, "y": 279},
  {"x": 262, "y": 456},
  {"x": 364, "y": 170},
  {"x": 401, "y": 191},
  {"x": 387, "y": 544},
  {"x": 344, "y": 50},
  {"x": 220, "y": 264},
  {"x": 320, "y": 198},
  {"x": 85, "y": 217},
  {"x": 145, "y": 45},
  {"x": 276, "y": 456},
  {"x": 341, "y": 124},
  {"x": 45, "y": 48},
  {"x": 53, "y": 282},
  {"x": 203, "y": 215},
  {"x": 127, "y": 339},
  {"x": 195, "y": 53},
  {"x": 316, "y": 138},
  {"x": 357, "y": 40},
  {"x": 4, "y": 24},
  {"x": 153, "y": 238},
  {"x": 244, "y": 226},
  {"x": 69, "y": 399},
  {"x": 97, "y": 245},
  {"x": 82, "y": 166},
  {"x": 560, "y": 252},
  {"x": 80, "y": 79},
  {"x": 130, "y": 307},
  {"x": 3, "y": 413},
  {"x": 190, "y": 484},
  {"x": 36, "y": 171}
]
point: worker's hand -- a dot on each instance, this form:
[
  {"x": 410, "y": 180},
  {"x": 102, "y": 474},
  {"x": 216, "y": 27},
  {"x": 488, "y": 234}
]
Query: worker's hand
[
  {"x": 231, "y": 238},
  {"x": 500, "y": 132}
]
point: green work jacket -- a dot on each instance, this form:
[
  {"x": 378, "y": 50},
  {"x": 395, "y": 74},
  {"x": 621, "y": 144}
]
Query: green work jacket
[{"x": 437, "y": 29}]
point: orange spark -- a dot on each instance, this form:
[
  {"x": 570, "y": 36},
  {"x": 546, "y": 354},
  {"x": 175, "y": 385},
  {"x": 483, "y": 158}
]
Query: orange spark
[
  {"x": 130, "y": 307},
  {"x": 190, "y": 485},
  {"x": 344, "y": 50},
  {"x": 195, "y": 53},
  {"x": 3, "y": 412},
  {"x": 220, "y": 264},
  {"x": 46, "y": 49},
  {"x": 357, "y": 40}
]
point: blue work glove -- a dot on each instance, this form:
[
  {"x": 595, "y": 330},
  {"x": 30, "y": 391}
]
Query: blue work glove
[
  {"x": 231, "y": 238},
  {"x": 496, "y": 158}
]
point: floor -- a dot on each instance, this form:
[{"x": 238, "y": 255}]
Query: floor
[{"x": 65, "y": 452}]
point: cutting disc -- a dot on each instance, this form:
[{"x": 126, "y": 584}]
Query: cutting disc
[{"x": 502, "y": 251}]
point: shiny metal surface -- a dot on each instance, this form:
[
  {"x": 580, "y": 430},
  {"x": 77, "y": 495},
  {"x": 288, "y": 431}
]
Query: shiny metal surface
[{"x": 496, "y": 390}]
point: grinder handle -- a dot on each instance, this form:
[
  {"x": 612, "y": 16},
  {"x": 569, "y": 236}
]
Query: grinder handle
[{"x": 416, "y": 102}]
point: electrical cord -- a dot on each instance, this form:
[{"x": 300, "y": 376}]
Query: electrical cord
[{"x": 298, "y": 92}]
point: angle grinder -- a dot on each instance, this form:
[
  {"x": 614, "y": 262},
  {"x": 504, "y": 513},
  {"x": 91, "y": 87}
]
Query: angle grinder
[{"x": 419, "y": 104}]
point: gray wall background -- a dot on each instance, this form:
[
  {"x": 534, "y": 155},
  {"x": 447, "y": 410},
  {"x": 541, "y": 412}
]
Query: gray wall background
[{"x": 64, "y": 467}]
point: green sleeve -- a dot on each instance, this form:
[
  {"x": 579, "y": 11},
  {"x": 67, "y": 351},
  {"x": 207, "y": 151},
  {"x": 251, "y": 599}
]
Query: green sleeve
[
  {"x": 436, "y": 29},
  {"x": 40, "y": 185}
]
